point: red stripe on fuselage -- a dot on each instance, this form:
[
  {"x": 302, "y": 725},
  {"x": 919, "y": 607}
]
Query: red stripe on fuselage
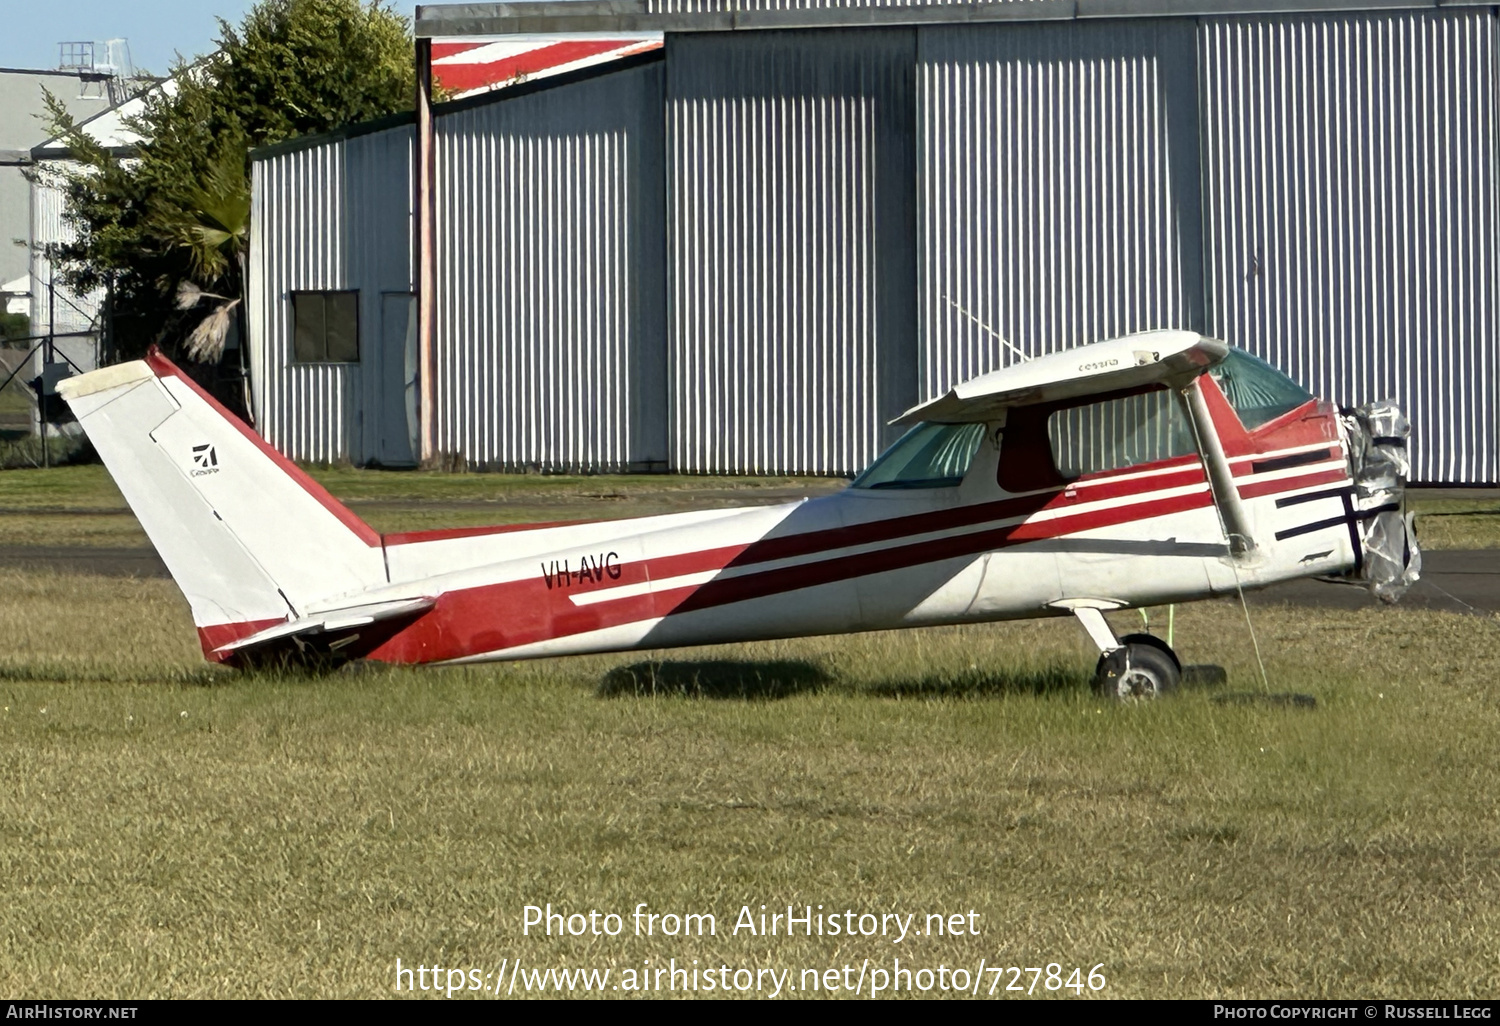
[
  {"x": 1255, "y": 490},
  {"x": 514, "y": 613},
  {"x": 725, "y": 590},
  {"x": 896, "y": 528},
  {"x": 544, "y": 616}
]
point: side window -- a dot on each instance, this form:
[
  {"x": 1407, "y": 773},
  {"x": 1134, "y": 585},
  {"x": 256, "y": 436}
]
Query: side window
[
  {"x": 1257, "y": 391},
  {"x": 1118, "y": 433},
  {"x": 325, "y": 327},
  {"x": 927, "y": 456}
]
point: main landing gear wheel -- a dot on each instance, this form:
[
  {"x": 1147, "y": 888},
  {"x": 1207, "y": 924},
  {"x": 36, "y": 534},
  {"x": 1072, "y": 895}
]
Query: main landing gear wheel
[{"x": 1142, "y": 667}]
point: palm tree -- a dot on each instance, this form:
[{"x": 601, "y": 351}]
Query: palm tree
[{"x": 211, "y": 223}]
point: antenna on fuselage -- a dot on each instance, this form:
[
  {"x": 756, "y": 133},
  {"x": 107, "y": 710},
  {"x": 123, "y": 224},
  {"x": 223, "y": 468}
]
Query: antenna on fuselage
[{"x": 1003, "y": 341}]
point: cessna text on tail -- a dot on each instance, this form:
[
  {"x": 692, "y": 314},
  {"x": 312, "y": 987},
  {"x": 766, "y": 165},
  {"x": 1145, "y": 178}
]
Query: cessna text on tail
[{"x": 1159, "y": 467}]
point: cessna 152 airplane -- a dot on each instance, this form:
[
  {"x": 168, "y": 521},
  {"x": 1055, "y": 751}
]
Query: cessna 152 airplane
[{"x": 1155, "y": 468}]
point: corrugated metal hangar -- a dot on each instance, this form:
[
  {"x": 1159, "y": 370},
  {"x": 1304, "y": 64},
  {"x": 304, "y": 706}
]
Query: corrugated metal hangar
[{"x": 746, "y": 251}]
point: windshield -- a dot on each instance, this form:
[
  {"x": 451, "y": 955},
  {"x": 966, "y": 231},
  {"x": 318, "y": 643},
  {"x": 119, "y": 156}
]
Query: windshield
[
  {"x": 927, "y": 456},
  {"x": 1257, "y": 391}
]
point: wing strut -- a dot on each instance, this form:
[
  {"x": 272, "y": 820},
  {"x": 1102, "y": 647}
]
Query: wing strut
[{"x": 1220, "y": 477}]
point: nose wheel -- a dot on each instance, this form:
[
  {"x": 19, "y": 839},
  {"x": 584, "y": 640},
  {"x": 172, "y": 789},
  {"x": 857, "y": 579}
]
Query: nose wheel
[
  {"x": 1137, "y": 666},
  {"x": 1142, "y": 667}
]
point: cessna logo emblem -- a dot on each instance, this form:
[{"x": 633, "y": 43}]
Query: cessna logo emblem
[{"x": 205, "y": 460}]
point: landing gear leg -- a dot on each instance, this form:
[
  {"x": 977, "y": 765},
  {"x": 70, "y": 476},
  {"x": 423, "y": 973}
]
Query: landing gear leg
[{"x": 1135, "y": 666}]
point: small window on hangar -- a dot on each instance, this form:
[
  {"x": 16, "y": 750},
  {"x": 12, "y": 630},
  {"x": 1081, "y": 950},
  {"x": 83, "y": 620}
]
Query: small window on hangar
[{"x": 325, "y": 327}]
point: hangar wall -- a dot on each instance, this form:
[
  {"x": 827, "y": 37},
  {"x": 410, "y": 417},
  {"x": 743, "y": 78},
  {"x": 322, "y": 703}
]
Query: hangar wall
[
  {"x": 549, "y": 342},
  {"x": 549, "y": 236},
  {"x": 335, "y": 214},
  {"x": 1351, "y": 166},
  {"x": 792, "y": 271},
  {"x": 750, "y": 262},
  {"x": 1059, "y": 179}
]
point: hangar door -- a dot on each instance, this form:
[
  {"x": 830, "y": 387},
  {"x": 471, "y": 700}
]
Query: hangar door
[
  {"x": 1058, "y": 189},
  {"x": 790, "y": 247}
]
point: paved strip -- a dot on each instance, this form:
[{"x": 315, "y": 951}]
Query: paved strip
[
  {"x": 64, "y": 511},
  {"x": 131, "y": 562},
  {"x": 1453, "y": 581}
]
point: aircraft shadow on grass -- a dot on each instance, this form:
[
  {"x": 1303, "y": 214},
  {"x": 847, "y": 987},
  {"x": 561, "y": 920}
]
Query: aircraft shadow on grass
[
  {"x": 716, "y": 678},
  {"x": 985, "y": 682},
  {"x": 750, "y": 680}
]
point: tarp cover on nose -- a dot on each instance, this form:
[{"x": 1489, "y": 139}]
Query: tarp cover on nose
[{"x": 1377, "y": 451}]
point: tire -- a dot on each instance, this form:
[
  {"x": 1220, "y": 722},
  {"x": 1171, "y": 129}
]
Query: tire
[
  {"x": 1156, "y": 643},
  {"x": 1143, "y": 668}
]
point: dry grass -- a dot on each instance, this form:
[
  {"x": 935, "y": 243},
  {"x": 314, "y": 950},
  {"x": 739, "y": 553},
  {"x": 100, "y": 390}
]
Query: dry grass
[
  {"x": 1458, "y": 523},
  {"x": 173, "y": 830},
  {"x": 104, "y": 530}
]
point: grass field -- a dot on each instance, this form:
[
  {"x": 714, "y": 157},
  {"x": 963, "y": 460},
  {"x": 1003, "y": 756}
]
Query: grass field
[
  {"x": 174, "y": 829},
  {"x": 170, "y": 829},
  {"x": 1444, "y": 523}
]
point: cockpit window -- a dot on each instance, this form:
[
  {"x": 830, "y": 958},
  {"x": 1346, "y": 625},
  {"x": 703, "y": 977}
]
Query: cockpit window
[
  {"x": 927, "y": 456},
  {"x": 1257, "y": 391},
  {"x": 1117, "y": 433}
]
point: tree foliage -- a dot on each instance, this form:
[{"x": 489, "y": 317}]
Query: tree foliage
[{"x": 178, "y": 210}]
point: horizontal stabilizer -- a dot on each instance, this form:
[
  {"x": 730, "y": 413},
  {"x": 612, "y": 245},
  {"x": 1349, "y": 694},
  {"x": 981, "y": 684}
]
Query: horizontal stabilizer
[
  {"x": 333, "y": 621},
  {"x": 1169, "y": 358}
]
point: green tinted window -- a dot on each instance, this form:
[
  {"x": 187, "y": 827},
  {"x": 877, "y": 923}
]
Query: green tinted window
[
  {"x": 1257, "y": 391},
  {"x": 927, "y": 456}
]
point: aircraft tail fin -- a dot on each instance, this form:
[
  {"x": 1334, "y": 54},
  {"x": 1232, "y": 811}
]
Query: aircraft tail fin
[{"x": 250, "y": 539}]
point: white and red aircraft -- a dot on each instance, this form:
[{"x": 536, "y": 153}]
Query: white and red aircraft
[{"x": 1155, "y": 468}]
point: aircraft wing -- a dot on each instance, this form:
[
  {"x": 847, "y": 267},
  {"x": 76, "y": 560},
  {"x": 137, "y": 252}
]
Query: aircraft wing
[{"x": 1170, "y": 358}]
